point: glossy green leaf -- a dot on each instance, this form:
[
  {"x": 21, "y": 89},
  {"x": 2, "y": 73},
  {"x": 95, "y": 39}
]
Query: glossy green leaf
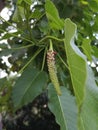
[
  {"x": 89, "y": 110},
  {"x": 53, "y": 16},
  {"x": 76, "y": 61},
  {"x": 63, "y": 107},
  {"x": 87, "y": 48},
  {"x": 28, "y": 86}
]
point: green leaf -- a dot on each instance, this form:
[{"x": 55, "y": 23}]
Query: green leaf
[
  {"x": 53, "y": 16},
  {"x": 95, "y": 51},
  {"x": 36, "y": 14},
  {"x": 64, "y": 108},
  {"x": 94, "y": 5},
  {"x": 29, "y": 2},
  {"x": 84, "y": 2},
  {"x": 5, "y": 52},
  {"x": 19, "y": 14},
  {"x": 28, "y": 86},
  {"x": 83, "y": 81},
  {"x": 87, "y": 48},
  {"x": 44, "y": 27},
  {"x": 3, "y": 46},
  {"x": 89, "y": 110},
  {"x": 2, "y": 82},
  {"x": 19, "y": 1},
  {"x": 76, "y": 61}
]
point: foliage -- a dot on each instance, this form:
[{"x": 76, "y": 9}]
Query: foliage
[{"x": 72, "y": 28}]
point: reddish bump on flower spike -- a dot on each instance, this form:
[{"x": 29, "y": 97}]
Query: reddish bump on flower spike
[{"x": 54, "y": 52}]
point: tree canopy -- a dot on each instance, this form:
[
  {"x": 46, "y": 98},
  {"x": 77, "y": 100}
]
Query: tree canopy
[{"x": 50, "y": 46}]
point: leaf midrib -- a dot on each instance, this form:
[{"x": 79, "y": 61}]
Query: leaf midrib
[{"x": 62, "y": 113}]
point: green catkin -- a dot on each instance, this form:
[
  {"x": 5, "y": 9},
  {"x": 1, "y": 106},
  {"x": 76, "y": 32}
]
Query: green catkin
[{"x": 52, "y": 70}]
